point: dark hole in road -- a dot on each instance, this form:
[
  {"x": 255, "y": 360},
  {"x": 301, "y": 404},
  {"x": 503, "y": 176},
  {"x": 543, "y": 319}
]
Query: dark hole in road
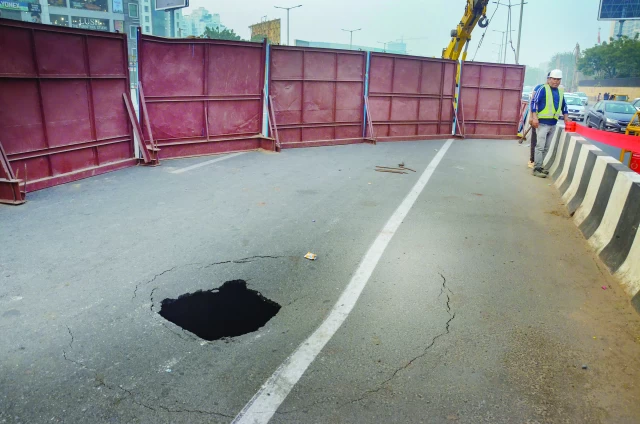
[{"x": 229, "y": 311}]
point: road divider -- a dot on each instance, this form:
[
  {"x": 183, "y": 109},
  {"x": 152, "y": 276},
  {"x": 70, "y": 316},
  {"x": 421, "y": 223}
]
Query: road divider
[{"x": 603, "y": 197}]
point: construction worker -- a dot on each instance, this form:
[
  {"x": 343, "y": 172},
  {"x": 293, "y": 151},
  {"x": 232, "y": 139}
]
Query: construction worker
[
  {"x": 546, "y": 107},
  {"x": 534, "y": 135}
]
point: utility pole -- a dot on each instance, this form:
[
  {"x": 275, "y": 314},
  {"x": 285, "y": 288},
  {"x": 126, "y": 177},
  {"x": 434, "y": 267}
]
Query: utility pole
[
  {"x": 519, "y": 33},
  {"x": 504, "y": 57},
  {"x": 384, "y": 45},
  {"x": 509, "y": 30},
  {"x": 499, "y": 51},
  {"x": 351, "y": 31},
  {"x": 287, "y": 9}
]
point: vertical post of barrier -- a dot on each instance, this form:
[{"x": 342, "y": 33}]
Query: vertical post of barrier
[
  {"x": 366, "y": 94},
  {"x": 456, "y": 99},
  {"x": 265, "y": 105}
]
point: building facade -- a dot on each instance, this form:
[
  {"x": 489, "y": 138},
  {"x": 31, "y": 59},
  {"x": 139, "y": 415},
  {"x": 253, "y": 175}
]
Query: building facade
[
  {"x": 28, "y": 11},
  {"x": 97, "y": 15},
  {"x": 195, "y": 23},
  {"x": 269, "y": 30},
  {"x": 393, "y": 47},
  {"x": 629, "y": 29}
]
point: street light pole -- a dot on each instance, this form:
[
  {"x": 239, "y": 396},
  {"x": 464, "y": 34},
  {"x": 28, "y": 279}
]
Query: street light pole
[
  {"x": 351, "y": 31},
  {"x": 287, "y": 9}
]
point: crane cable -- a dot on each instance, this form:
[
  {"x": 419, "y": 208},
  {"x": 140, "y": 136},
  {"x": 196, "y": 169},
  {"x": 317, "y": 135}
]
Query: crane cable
[{"x": 485, "y": 32}]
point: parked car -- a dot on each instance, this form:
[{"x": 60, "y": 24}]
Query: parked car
[
  {"x": 526, "y": 97},
  {"x": 575, "y": 107},
  {"x": 610, "y": 115},
  {"x": 583, "y": 97},
  {"x": 636, "y": 103}
]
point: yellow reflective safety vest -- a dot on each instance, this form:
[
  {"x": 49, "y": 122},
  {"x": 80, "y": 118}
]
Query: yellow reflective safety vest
[{"x": 550, "y": 111}]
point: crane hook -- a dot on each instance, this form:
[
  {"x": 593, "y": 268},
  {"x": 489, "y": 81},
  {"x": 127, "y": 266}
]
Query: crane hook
[{"x": 483, "y": 22}]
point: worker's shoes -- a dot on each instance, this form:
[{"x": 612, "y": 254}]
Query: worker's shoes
[{"x": 539, "y": 172}]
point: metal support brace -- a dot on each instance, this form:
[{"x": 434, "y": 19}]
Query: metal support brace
[
  {"x": 149, "y": 153},
  {"x": 10, "y": 192}
]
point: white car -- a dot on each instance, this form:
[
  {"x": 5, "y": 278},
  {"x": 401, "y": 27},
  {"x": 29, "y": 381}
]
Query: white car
[
  {"x": 575, "y": 107},
  {"x": 583, "y": 97},
  {"x": 636, "y": 103}
]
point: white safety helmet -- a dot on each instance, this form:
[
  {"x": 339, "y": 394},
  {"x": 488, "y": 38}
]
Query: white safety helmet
[{"x": 556, "y": 73}]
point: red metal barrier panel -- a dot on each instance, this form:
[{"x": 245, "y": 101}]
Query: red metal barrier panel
[
  {"x": 62, "y": 117},
  {"x": 490, "y": 96},
  {"x": 411, "y": 98},
  {"x": 318, "y": 95},
  {"x": 203, "y": 96}
]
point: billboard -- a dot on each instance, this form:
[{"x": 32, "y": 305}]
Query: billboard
[
  {"x": 618, "y": 10},
  {"x": 171, "y": 4},
  {"x": 266, "y": 29}
]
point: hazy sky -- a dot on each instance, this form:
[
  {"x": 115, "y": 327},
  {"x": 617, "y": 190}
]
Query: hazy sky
[{"x": 549, "y": 26}]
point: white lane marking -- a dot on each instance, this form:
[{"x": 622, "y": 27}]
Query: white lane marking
[
  {"x": 273, "y": 392},
  {"x": 209, "y": 162}
]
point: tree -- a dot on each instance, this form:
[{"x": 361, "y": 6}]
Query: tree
[
  {"x": 566, "y": 62},
  {"x": 225, "y": 34},
  {"x": 534, "y": 76},
  {"x": 619, "y": 58}
]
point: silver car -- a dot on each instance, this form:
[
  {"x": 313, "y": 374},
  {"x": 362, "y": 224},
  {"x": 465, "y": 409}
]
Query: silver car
[{"x": 575, "y": 107}]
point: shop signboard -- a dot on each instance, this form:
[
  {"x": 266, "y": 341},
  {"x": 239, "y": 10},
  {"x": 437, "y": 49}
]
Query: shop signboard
[
  {"x": 14, "y": 5},
  {"x": 90, "y": 23}
]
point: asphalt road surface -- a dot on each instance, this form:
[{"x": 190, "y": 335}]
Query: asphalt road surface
[{"x": 478, "y": 301}]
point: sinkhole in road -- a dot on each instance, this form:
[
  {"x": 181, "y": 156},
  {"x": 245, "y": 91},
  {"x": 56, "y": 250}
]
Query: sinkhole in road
[{"x": 228, "y": 311}]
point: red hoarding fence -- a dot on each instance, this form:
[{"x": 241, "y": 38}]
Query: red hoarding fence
[
  {"x": 202, "y": 96},
  {"x": 490, "y": 99},
  {"x": 410, "y": 97},
  {"x": 61, "y": 112},
  {"x": 317, "y": 95}
]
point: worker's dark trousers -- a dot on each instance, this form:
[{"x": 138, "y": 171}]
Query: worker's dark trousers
[{"x": 534, "y": 141}]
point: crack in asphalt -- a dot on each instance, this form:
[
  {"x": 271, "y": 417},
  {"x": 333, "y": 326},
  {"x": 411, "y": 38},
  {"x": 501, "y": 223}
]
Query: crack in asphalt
[
  {"x": 243, "y": 260},
  {"x": 131, "y": 395},
  {"x": 135, "y": 291},
  {"x": 72, "y": 338},
  {"x": 234, "y": 261},
  {"x": 444, "y": 287},
  {"x": 133, "y": 399},
  {"x": 66, "y": 358},
  {"x": 151, "y": 297},
  {"x": 73, "y": 361},
  {"x": 444, "y": 290}
]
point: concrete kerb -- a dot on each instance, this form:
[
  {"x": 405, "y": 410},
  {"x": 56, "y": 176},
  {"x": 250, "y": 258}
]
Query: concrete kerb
[{"x": 603, "y": 196}]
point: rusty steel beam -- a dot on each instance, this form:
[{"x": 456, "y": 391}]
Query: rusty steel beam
[{"x": 10, "y": 192}]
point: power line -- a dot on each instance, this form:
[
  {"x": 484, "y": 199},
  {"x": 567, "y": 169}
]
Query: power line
[{"x": 483, "y": 34}]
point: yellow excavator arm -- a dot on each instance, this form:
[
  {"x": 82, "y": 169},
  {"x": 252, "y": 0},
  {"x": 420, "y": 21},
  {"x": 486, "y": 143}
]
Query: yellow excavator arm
[{"x": 475, "y": 13}]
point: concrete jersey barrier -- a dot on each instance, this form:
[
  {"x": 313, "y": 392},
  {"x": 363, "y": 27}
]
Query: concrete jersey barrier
[{"x": 603, "y": 197}]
